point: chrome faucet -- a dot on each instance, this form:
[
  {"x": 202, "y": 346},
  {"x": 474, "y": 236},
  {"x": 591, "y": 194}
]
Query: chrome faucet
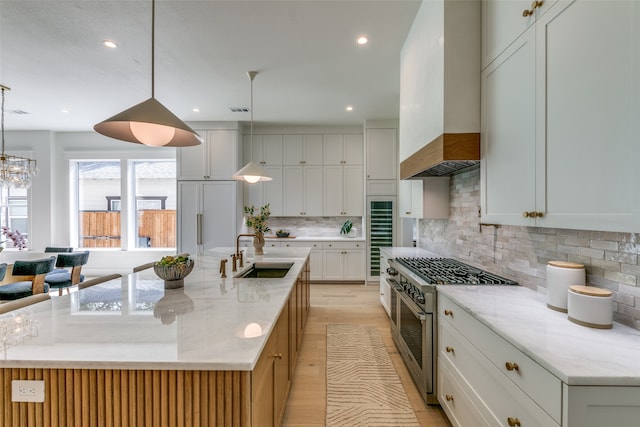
[{"x": 238, "y": 253}]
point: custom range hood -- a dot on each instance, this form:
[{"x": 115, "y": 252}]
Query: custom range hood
[{"x": 445, "y": 155}]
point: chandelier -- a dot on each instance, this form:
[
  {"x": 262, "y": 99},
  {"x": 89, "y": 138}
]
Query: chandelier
[{"x": 15, "y": 171}]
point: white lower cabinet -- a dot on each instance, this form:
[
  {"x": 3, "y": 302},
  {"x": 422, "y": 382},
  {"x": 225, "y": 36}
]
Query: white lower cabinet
[
  {"x": 484, "y": 380},
  {"x": 343, "y": 261},
  {"x": 315, "y": 257},
  {"x": 385, "y": 288},
  {"x": 601, "y": 406}
]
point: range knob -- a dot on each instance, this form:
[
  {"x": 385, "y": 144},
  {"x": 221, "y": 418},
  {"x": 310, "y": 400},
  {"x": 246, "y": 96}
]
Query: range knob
[
  {"x": 392, "y": 271},
  {"x": 420, "y": 299}
]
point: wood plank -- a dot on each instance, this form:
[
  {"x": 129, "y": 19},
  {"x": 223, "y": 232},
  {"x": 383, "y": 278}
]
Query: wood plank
[{"x": 446, "y": 147}]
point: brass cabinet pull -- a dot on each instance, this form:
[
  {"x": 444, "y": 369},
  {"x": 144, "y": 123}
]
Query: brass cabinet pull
[
  {"x": 512, "y": 366},
  {"x": 278, "y": 355},
  {"x": 532, "y": 214},
  {"x": 448, "y": 313},
  {"x": 448, "y": 397},
  {"x": 513, "y": 422},
  {"x": 450, "y": 350},
  {"x": 536, "y": 4}
]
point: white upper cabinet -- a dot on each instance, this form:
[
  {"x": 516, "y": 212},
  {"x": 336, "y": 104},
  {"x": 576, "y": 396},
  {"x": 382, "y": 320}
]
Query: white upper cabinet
[
  {"x": 424, "y": 198},
  {"x": 508, "y": 135},
  {"x": 382, "y": 157},
  {"x": 344, "y": 191},
  {"x": 302, "y": 150},
  {"x": 265, "y": 150},
  {"x": 559, "y": 130},
  {"x": 216, "y": 158},
  {"x": 303, "y": 190},
  {"x": 504, "y": 21},
  {"x": 345, "y": 149}
]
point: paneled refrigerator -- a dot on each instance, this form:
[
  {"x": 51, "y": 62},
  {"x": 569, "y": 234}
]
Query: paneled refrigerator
[{"x": 381, "y": 231}]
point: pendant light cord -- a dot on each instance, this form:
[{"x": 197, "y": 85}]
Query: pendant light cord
[
  {"x": 153, "y": 47},
  {"x": 252, "y": 75},
  {"x": 251, "y": 107}
]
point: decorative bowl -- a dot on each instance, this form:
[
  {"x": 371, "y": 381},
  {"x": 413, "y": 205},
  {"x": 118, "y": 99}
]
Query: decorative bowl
[
  {"x": 282, "y": 233},
  {"x": 173, "y": 274}
]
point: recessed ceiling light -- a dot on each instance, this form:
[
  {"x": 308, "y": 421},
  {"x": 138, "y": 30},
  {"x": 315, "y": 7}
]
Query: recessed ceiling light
[
  {"x": 362, "y": 40},
  {"x": 349, "y": 108},
  {"x": 195, "y": 110},
  {"x": 110, "y": 44}
]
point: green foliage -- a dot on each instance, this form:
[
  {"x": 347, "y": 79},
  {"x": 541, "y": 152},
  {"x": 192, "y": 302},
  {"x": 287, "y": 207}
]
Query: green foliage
[
  {"x": 258, "y": 222},
  {"x": 173, "y": 260},
  {"x": 346, "y": 227}
]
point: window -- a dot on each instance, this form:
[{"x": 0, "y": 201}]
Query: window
[
  {"x": 107, "y": 214},
  {"x": 155, "y": 192},
  {"x": 14, "y": 212}
]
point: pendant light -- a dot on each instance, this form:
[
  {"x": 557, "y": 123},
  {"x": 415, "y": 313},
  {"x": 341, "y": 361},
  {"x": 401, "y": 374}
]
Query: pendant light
[
  {"x": 16, "y": 172},
  {"x": 251, "y": 172},
  {"x": 149, "y": 122}
]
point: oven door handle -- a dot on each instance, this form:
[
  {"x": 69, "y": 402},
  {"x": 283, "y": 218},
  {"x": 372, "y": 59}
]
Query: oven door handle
[
  {"x": 392, "y": 282},
  {"x": 413, "y": 307}
]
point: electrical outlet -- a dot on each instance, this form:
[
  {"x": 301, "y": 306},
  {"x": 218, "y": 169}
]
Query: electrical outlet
[{"x": 27, "y": 391}]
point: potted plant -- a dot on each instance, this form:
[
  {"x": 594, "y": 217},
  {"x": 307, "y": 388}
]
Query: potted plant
[
  {"x": 258, "y": 222},
  {"x": 348, "y": 229},
  {"x": 173, "y": 270}
]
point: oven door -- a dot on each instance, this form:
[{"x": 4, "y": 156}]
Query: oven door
[{"x": 415, "y": 333}]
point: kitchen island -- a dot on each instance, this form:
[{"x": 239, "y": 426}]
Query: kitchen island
[{"x": 220, "y": 351}]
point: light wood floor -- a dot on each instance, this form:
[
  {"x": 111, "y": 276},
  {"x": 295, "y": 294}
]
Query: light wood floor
[{"x": 340, "y": 303}]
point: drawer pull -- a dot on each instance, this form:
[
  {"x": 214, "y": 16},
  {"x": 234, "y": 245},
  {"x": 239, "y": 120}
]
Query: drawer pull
[
  {"x": 450, "y": 398},
  {"x": 513, "y": 422},
  {"x": 450, "y": 350},
  {"x": 512, "y": 366},
  {"x": 278, "y": 355},
  {"x": 448, "y": 313}
]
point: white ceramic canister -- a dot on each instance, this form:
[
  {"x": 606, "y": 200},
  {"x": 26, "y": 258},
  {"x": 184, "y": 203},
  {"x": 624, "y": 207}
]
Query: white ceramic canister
[
  {"x": 590, "y": 306},
  {"x": 561, "y": 275}
]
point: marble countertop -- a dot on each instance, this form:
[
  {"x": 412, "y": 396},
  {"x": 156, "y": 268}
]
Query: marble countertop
[
  {"x": 576, "y": 354},
  {"x": 134, "y": 323},
  {"x": 336, "y": 238}
]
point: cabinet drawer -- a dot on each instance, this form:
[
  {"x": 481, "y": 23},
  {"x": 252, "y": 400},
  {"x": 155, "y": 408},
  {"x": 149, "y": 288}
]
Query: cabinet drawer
[
  {"x": 538, "y": 383},
  {"x": 456, "y": 402},
  {"x": 314, "y": 245},
  {"x": 343, "y": 245},
  {"x": 489, "y": 388}
]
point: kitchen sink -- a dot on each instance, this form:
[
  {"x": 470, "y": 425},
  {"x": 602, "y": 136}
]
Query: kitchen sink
[{"x": 266, "y": 270}]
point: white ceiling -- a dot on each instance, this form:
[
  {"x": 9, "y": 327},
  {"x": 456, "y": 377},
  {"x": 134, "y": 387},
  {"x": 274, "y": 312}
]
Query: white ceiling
[{"x": 310, "y": 67}]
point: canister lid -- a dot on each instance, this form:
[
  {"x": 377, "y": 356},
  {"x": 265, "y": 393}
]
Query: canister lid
[
  {"x": 566, "y": 264},
  {"x": 591, "y": 291}
]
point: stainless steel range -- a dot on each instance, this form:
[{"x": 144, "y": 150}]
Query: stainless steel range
[{"x": 414, "y": 310}]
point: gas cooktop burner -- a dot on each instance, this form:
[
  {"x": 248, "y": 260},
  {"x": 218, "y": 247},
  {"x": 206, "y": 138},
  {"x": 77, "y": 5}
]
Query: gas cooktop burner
[{"x": 446, "y": 271}]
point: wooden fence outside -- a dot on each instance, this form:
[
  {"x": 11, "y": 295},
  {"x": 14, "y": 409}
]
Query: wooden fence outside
[{"x": 101, "y": 229}]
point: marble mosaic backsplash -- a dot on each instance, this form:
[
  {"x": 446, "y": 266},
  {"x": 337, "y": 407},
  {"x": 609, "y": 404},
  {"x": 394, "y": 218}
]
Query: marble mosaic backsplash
[
  {"x": 314, "y": 226},
  {"x": 522, "y": 253}
]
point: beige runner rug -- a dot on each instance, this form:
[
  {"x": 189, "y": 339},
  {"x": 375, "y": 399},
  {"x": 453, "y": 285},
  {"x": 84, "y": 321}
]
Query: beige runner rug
[{"x": 363, "y": 387}]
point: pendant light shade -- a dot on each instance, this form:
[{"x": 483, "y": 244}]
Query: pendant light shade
[
  {"x": 251, "y": 172},
  {"x": 150, "y": 122}
]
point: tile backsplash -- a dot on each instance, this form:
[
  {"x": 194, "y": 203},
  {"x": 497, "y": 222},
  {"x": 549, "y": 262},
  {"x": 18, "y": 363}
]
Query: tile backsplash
[
  {"x": 522, "y": 253},
  {"x": 314, "y": 226}
]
